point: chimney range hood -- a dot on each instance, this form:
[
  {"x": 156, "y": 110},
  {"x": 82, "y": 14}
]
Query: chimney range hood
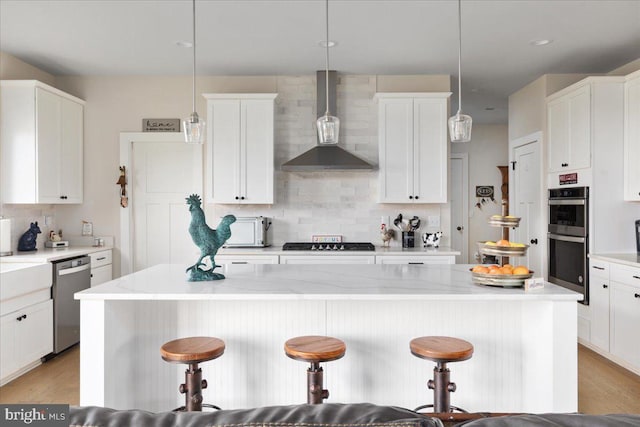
[{"x": 325, "y": 157}]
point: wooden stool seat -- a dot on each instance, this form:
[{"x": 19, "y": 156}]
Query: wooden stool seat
[
  {"x": 441, "y": 349},
  {"x": 315, "y": 349},
  {"x": 192, "y": 349}
]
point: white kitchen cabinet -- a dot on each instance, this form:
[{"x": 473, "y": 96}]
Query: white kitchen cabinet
[
  {"x": 101, "y": 267},
  {"x": 632, "y": 137},
  {"x": 569, "y": 129},
  {"x": 625, "y": 314},
  {"x": 42, "y": 144},
  {"x": 26, "y": 335},
  {"x": 415, "y": 259},
  {"x": 599, "y": 290},
  {"x": 412, "y": 137},
  {"x": 327, "y": 259},
  {"x": 246, "y": 259},
  {"x": 240, "y": 148}
]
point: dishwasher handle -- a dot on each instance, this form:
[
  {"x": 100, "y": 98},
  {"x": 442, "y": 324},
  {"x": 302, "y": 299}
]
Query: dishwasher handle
[{"x": 72, "y": 270}]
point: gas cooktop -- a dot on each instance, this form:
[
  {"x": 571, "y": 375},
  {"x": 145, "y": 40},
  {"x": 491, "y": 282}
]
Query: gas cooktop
[{"x": 347, "y": 246}]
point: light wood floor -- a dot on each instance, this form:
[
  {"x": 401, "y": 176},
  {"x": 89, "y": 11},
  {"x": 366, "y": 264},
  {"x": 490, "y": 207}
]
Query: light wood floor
[{"x": 603, "y": 386}]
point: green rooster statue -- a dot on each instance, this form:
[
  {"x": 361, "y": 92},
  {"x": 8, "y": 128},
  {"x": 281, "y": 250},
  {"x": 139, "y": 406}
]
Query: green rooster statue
[{"x": 207, "y": 239}]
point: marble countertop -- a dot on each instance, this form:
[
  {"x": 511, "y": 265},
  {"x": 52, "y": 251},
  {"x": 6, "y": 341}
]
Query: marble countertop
[
  {"x": 52, "y": 254},
  {"x": 630, "y": 259},
  {"x": 316, "y": 282},
  {"x": 380, "y": 250}
]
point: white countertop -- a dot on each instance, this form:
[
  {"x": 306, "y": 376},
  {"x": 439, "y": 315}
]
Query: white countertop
[
  {"x": 380, "y": 250},
  {"x": 52, "y": 254},
  {"x": 630, "y": 259},
  {"x": 316, "y": 282}
]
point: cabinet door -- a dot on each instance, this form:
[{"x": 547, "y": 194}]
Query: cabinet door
[
  {"x": 101, "y": 275},
  {"x": 48, "y": 137},
  {"x": 625, "y": 318},
  {"x": 223, "y": 151},
  {"x": 580, "y": 129},
  {"x": 71, "y": 160},
  {"x": 395, "y": 133},
  {"x": 256, "y": 151},
  {"x": 632, "y": 140},
  {"x": 599, "y": 306},
  {"x": 430, "y": 150},
  {"x": 35, "y": 337},
  {"x": 8, "y": 362},
  {"x": 558, "y": 134}
]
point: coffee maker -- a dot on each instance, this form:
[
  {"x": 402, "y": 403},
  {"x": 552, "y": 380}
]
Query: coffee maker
[{"x": 638, "y": 236}]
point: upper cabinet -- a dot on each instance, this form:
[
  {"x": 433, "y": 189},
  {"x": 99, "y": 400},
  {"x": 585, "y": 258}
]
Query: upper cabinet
[
  {"x": 412, "y": 132},
  {"x": 42, "y": 143},
  {"x": 632, "y": 137},
  {"x": 569, "y": 132},
  {"x": 240, "y": 148}
]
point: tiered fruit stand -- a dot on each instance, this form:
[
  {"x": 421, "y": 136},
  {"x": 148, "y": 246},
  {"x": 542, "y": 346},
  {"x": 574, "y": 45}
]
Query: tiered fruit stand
[{"x": 506, "y": 280}]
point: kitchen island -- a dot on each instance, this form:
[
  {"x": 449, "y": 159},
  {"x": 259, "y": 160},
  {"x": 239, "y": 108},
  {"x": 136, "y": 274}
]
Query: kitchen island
[{"x": 525, "y": 355}]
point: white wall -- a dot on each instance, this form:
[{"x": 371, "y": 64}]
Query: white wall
[{"x": 487, "y": 150}]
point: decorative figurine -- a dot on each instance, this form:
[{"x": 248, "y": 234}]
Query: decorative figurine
[
  {"x": 386, "y": 234},
  {"x": 432, "y": 239},
  {"x": 207, "y": 239},
  {"x": 27, "y": 241}
]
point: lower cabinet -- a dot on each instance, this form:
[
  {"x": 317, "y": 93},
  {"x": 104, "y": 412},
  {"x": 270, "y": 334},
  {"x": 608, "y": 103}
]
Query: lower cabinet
[
  {"x": 415, "y": 259},
  {"x": 26, "y": 335},
  {"x": 101, "y": 267},
  {"x": 599, "y": 304},
  {"x": 327, "y": 259}
]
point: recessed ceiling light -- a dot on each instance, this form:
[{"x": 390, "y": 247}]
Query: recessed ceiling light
[
  {"x": 324, "y": 43},
  {"x": 183, "y": 43},
  {"x": 540, "y": 42}
]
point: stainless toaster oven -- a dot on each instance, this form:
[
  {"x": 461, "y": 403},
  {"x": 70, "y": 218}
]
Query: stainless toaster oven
[{"x": 249, "y": 232}]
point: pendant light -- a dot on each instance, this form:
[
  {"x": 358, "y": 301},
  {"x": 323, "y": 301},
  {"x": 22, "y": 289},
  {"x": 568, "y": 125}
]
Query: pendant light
[
  {"x": 460, "y": 124},
  {"x": 328, "y": 125},
  {"x": 194, "y": 127}
]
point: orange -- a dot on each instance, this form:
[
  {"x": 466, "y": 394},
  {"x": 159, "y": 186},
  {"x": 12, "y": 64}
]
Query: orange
[
  {"x": 503, "y": 243},
  {"x": 495, "y": 271},
  {"x": 506, "y": 270},
  {"x": 480, "y": 269},
  {"x": 521, "y": 269},
  {"x": 508, "y": 265}
]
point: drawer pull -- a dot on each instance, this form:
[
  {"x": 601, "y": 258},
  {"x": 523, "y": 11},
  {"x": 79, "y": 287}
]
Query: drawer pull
[
  {"x": 101, "y": 258},
  {"x": 635, "y": 295},
  {"x": 417, "y": 263},
  {"x": 636, "y": 277},
  {"x": 598, "y": 268},
  {"x": 239, "y": 262},
  {"x": 605, "y": 286}
]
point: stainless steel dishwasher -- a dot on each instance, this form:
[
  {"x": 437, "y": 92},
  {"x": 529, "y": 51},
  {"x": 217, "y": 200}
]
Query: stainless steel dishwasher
[{"x": 69, "y": 276}]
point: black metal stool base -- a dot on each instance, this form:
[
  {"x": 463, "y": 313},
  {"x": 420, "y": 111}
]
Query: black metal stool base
[
  {"x": 442, "y": 389},
  {"x": 315, "y": 392},
  {"x": 192, "y": 389}
]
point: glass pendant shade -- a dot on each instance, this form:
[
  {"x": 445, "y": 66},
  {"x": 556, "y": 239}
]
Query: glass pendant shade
[
  {"x": 328, "y": 129},
  {"x": 194, "y": 129},
  {"x": 460, "y": 127}
]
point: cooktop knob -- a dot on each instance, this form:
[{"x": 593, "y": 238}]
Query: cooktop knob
[
  {"x": 335, "y": 247},
  {"x": 313, "y": 247},
  {"x": 342, "y": 247}
]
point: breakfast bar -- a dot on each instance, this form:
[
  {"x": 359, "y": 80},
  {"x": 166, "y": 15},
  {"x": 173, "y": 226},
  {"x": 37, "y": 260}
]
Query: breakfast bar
[{"x": 524, "y": 360}]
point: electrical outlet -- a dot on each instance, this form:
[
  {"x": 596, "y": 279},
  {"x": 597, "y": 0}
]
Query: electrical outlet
[
  {"x": 48, "y": 220},
  {"x": 433, "y": 220}
]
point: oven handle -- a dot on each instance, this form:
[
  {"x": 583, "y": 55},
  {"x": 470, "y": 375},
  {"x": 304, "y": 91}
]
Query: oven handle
[
  {"x": 566, "y": 238},
  {"x": 575, "y": 202}
]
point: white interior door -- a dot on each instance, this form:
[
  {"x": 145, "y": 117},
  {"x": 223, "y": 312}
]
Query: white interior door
[
  {"x": 527, "y": 205},
  {"x": 459, "y": 200},
  {"x": 162, "y": 171}
]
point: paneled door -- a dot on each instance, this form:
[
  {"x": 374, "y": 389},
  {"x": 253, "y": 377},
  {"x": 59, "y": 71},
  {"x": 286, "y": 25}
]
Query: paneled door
[
  {"x": 459, "y": 202},
  {"x": 162, "y": 172},
  {"x": 526, "y": 204}
]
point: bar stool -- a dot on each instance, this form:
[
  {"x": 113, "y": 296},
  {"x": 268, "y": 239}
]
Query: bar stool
[
  {"x": 192, "y": 351},
  {"x": 441, "y": 350},
  {"x": 315, "y": 349}
]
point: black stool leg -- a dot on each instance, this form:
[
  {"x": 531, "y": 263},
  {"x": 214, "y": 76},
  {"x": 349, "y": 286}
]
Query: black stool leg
[
  {"x": 315, "y": 392},
  {"x": 442, "y": 388},
  {"x": 192, "y": 387}
]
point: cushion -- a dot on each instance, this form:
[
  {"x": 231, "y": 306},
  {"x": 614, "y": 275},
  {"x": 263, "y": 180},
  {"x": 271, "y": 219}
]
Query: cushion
[{"x": 557, "y": 420}]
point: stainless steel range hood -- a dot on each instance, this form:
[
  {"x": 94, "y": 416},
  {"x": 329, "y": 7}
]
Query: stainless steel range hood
[{"x": 326, "y": 157}]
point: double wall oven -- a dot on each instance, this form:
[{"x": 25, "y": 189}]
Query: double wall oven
[{"x": 568, "y": 234}]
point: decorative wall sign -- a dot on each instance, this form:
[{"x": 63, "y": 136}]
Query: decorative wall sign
[
  {"x": 568, "y": 178},
  {"x": 161, "y": 125},
  {"x": 484, "y": 191}
]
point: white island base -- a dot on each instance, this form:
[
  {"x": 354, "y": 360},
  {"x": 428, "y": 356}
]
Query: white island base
[{"x": 525, "y": 357}]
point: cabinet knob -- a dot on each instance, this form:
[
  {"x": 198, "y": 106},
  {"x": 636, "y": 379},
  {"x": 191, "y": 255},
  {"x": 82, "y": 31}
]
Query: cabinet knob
[
  {"x": 21, "y": 318},
  {"x": 411, "y": 197},
  {"x": 605, "y": 286},
  {"x": 459, "y": 228},
  {"x": 416, "y": 197},
  {"x": 564, "y": 165},
  {"x": 242, "y": 198},
  {"x": 635, "y": 295},
  {"x": 534, "y": 241},
  {"x": 237, "y": 197}
]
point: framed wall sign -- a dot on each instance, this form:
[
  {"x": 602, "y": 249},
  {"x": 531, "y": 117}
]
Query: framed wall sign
[
  {"x": 484, "y": 191},
  {"x": 161, "y": 125},
  {"x": 568, "y": 178}
]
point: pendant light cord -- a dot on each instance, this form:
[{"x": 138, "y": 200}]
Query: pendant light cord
[
  {"x": 194, "y": 56},
  {"x": 459, "y": 58},
  {"x": 326, "y": 73}
]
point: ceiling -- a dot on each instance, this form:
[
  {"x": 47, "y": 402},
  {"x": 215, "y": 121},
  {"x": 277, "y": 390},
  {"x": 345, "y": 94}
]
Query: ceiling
[{"x": 271, "y": 37}]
